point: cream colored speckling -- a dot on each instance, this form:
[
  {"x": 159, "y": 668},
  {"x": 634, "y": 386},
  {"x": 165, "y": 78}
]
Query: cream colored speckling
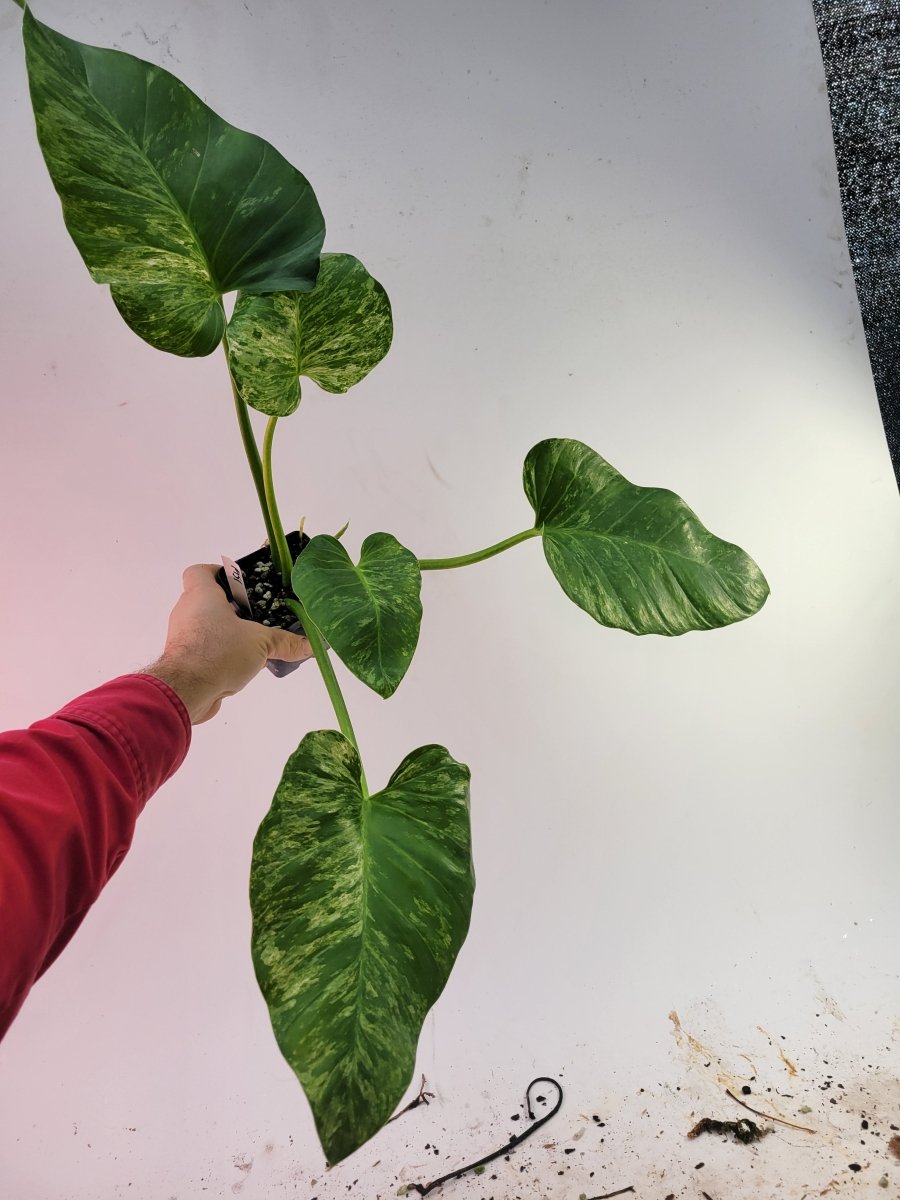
[
  {"x": 334, "y": 335},
  {"x": 167, "y": 203},
  {"x": 360, "y": 907},
  {"x": 634, "y": 558}
]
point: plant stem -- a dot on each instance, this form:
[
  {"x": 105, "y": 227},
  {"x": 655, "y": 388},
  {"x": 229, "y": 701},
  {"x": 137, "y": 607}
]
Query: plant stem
[
  {"x": 333, "y": 687},
  {"x": 251, "y": 450},
  {"x": 280, "y": 542},
  {"x": 265, "y": 490},
  {"x": 464, "y": 560}
]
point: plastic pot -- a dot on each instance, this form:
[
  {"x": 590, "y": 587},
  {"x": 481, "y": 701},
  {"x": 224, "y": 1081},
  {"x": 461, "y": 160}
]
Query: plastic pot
[{"x": 253, "y": 585}]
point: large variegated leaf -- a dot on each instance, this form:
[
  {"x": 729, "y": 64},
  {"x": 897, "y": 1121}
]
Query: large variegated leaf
[
  {"x": 166, "y": 202},
  {"x": 334, "y": 334},
  {"x": 635, "y": 558},
  {"x": 360, "y": 906},
  {"x": 370, "y": 613}
]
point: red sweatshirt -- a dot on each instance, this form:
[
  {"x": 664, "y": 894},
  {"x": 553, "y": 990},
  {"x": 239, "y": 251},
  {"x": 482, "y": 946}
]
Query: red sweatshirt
[{"x": 71, "y": 789}]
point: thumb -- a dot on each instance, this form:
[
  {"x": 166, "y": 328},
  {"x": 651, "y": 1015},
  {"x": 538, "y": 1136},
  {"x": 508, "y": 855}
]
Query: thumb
[{"x": 289, "y": 647}]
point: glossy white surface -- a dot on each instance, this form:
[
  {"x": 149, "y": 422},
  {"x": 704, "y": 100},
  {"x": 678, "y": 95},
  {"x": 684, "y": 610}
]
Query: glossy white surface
[{"x": 614, "y": 221}]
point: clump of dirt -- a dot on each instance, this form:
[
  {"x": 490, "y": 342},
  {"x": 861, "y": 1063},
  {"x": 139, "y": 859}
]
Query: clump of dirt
[{"x": 744, "y": 1131}]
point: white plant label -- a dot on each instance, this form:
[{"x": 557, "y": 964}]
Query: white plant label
[{"x": 238, "y": 587}]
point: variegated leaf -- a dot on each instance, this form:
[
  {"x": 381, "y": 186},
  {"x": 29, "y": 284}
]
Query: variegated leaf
[
  {"x": 166, "y": 202},
  {"x": 360, "y": 906},
  {"x": 635, "y": 558},
  {"x": 334, "y": 335},
  {"x": 370, "y": 613}
]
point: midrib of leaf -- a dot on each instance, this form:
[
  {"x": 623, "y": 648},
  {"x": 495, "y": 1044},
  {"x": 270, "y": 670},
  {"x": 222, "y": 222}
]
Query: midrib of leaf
[
  {"x": 562, "y": 530},
  {"x": 297, "y": 316},
  {"x": 573, "y": 481},
  {"x": 364, "y": 951},
  {"x": 202, "y": 160},
  {"x": 189, "y": 225},
  {"x": 378, "y": 638}
]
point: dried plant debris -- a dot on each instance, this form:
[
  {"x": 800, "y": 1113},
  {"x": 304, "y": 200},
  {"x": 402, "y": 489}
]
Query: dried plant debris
[
  {"x": 424, "y": 1189},
  {"x": 744, "y": 1131},
  {"x": 768, "y": 1116},
  {"x": 609, "y": 1195},
  {"x": 422, "y": 1098}
]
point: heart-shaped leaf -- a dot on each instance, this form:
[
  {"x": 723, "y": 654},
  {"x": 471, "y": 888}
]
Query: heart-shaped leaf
[
  {"x": 166, "y": 202},
  {"x": 334, "y": 334},
  {"x": 360, "y": 906},
  {"x": 370, "y": 613},
  {"x": 635, "y": 558}
]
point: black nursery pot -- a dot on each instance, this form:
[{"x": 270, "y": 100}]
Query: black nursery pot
[{"x": 265, "y": 593}]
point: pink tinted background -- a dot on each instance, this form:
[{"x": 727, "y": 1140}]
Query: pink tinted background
[{"x": 617, "y": 222}]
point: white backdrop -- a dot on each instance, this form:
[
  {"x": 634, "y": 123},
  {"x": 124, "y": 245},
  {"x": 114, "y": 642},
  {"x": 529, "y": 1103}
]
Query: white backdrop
[{"x": 615, "y": 221}]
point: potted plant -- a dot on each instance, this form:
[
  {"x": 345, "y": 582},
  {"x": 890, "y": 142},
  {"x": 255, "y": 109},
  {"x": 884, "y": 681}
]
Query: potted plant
[{"x": 360, "y": 899}]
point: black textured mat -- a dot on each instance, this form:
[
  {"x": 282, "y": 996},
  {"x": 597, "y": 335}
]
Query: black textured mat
[{"x": 860, "y": 42}]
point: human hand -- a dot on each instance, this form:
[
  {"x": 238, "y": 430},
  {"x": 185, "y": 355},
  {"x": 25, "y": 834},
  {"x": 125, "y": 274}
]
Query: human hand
[{"x": 212, "y": 653}]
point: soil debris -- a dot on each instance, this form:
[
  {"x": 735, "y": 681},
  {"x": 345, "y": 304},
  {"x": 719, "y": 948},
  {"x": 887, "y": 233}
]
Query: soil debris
[{"x": 744, "y": 1131}]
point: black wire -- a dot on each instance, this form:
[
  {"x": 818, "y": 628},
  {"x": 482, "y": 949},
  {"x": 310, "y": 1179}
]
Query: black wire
[{"x": 424, "y": 1189}]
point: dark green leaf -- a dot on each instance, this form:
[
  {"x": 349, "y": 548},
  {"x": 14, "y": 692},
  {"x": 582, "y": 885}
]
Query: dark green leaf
[
  {"x": 370, "y": 613},
  {"x": 334, "y": 334},
  {"x": 166, "y": 202},
  {"x": 360, "y": 906},
  {"x": 635, "y": 558}
]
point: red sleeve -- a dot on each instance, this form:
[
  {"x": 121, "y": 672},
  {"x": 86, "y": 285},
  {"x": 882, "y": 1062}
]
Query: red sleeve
[{"x": 71, "y": 789}]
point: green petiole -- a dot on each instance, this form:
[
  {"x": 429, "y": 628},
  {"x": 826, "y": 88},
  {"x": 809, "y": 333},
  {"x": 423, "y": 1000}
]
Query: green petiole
[
  {"x": 465, "y": 560},
  {"x": 250, "y": 447},
  {"x": 280, "y": 543},
  {"x": 332, "y": 686},
  {"x": 265, "y": 490},
  {"x": 261, "y": 471}
]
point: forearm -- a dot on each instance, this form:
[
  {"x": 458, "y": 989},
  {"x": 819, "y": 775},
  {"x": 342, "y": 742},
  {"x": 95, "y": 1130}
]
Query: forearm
[
  {"x": 182, "y": 676},
  {"x": 71, "y": 788}
]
